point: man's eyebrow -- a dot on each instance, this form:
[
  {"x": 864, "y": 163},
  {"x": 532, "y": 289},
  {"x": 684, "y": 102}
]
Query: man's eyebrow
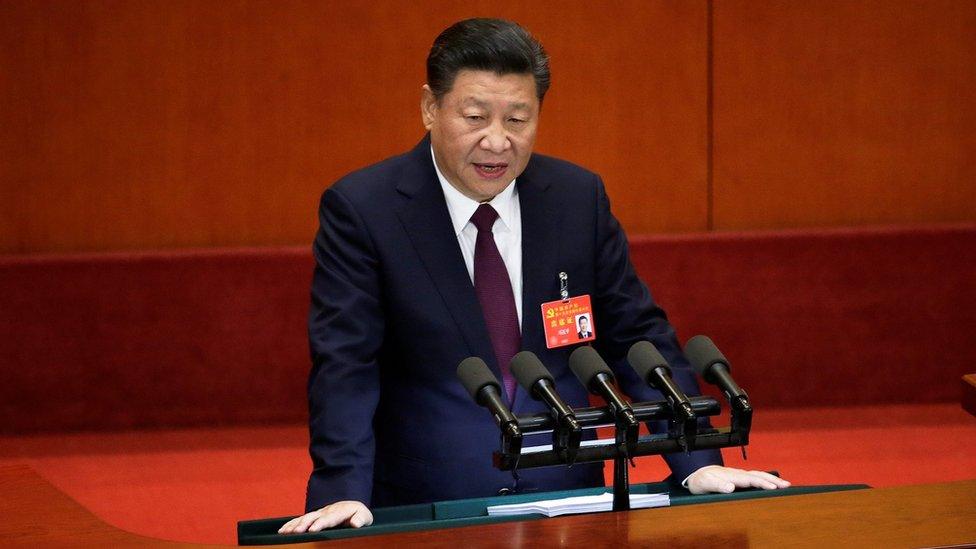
[
  {"x": 521, "y": 105},
  {"x": 474, "y": 101}
]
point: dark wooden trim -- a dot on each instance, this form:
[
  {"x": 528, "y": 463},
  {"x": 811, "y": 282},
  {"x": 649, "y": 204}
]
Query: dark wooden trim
[{"x": 969, "y": 393}]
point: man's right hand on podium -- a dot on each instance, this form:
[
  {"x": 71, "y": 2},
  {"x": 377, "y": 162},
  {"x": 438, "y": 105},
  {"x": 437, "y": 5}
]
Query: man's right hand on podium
[{"x": 348, "y": 513}]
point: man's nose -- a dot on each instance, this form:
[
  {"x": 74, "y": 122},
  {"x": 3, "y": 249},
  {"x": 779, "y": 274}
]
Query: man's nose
[{"x": 495, "y": 139}]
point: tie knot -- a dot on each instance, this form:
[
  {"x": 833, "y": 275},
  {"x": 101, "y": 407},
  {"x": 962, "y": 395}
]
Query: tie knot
[{"x": 484, "y": 217}]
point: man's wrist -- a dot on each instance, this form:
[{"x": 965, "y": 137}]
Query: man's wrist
[{"x": 684, "y": 483}]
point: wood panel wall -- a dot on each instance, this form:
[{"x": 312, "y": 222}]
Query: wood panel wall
[
  {"x": 844, "y": 113},
  {"x": 165, "y": 124}
]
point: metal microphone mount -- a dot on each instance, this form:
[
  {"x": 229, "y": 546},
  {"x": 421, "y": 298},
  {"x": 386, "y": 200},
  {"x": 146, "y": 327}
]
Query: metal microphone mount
[{"x": 684, "y": 435}]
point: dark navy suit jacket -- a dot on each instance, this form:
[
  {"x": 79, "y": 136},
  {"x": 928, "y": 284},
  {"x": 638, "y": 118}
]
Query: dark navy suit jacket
[{"x": 394, "y": 311}]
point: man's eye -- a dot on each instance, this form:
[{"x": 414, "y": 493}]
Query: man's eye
[
  {"x": 475, "y": 117},
  {"x": 516, "y": 120}
]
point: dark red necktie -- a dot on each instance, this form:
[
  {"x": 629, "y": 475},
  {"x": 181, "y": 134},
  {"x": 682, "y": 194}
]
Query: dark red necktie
[{"x": 494, "y": 290}]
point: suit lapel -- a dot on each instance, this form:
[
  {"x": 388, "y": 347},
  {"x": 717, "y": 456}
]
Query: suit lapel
[
  {"x": 540, "y": 247},
  {"x": 425, "y": 218}
]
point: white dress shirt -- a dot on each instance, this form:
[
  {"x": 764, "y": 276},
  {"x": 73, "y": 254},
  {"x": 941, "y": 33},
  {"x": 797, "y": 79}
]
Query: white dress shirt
[{"x": 507, "y": 230}]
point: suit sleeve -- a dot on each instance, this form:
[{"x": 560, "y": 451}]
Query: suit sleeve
[
  {"x": 625, "y": 314},
  {"x": 345, "y": 331}
]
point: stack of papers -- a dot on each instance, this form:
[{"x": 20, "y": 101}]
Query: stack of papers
[{"x": 579, "y": 504}]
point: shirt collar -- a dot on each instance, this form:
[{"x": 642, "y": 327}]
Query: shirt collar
[{"x": 462, "y": 208}]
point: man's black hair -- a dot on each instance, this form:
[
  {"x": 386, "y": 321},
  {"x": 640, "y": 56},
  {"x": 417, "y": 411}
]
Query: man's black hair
[{"x": 496, "y": 45}]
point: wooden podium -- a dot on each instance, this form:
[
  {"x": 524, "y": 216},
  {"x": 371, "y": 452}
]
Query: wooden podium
[{"x": 34, "y": 513}]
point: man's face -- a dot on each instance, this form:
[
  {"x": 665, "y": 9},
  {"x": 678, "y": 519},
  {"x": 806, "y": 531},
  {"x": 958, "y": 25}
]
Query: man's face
[
  {"x": 584, "y": 324},
  {"x": 483, "y": 130}
]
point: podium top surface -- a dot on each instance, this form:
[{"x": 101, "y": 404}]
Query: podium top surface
[
  {"x": 906, "y": 516},
  {"x": 469, "y": 512}
]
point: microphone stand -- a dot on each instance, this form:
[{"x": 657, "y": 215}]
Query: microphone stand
[
  {"x": 626, "y": 445},
  {"x": 625, "y": 438}
]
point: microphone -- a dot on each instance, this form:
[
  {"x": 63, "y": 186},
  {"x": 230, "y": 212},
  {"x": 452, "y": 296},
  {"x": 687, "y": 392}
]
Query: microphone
[
  {"x": 538, "y": 382},
  {"x": 652, "y": 368},
  {"x": 714, "y": 368},
  {"x": 596, "y": 376},
  {"x": 484, "y": 388}
]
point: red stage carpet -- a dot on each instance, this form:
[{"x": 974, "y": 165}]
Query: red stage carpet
[{"x": 195, "y": 484}]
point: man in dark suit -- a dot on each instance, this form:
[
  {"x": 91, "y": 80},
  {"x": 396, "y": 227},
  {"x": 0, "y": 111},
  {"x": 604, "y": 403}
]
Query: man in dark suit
[{"x": 447, "y": 252}]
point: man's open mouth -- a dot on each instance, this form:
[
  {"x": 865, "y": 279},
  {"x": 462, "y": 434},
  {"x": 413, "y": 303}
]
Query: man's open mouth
[{"x": 490, "y": 170}]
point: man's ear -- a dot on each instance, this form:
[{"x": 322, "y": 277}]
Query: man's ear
[{"x": 428, "y": 107}]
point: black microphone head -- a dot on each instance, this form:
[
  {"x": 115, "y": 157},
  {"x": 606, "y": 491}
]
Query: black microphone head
[
  {"x": 703, "y": 354},
  {"x": 644, "y": 358},
  {"x": 528, "y": 369},
  {"x": 474, "y": 375},
  {"x": 586, "y": 363}
]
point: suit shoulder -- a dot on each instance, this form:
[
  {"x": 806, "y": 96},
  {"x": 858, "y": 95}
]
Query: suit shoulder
[
  {"x": 556, "y": 168},
  {"x": 372, "y": 181}
]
